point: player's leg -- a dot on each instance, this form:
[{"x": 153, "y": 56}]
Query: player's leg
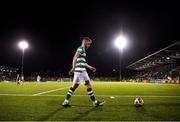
[
  {"x": 71, "y": 89},
  {"x": 90, "y": 91},
  {"x": 92, "y": 96},
  {"x": 69, "y": 94},
  {"x": 18, "y": 82}
]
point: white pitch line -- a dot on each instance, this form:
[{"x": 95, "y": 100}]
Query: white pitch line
[
  {"x": 15, "y": 95},
  {"x": 37, "y": 94},
  {"x": 54, "y": 95}
]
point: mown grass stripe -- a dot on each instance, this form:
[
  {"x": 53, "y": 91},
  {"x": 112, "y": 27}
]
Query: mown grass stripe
[{"x": 51, "y": 95}]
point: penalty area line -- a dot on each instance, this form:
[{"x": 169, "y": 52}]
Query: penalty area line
[{"x": 45, "y": 92}]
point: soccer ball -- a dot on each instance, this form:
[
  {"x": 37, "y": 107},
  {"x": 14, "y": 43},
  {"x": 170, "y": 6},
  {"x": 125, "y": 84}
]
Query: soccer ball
[{"x": 138, "y": 102}]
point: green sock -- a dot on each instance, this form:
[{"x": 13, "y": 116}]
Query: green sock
[
  {"x": 70, "y": 92},
  {"x": 91, "y": 94}
]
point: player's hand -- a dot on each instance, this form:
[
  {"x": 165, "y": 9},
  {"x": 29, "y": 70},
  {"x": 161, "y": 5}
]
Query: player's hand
[
  {"x": 93, "y": 69},
  {"x": 71, "y": 72}
]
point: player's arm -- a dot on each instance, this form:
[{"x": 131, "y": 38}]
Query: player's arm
[
  {"x": 74, "y": 62},
  {"x": 90, "y": 67}
]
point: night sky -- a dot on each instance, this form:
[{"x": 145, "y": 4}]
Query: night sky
[{"x": 54, "y": 30}]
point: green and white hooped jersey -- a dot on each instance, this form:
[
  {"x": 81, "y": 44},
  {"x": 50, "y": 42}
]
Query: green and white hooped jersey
[{"x": 81, "y": 60}]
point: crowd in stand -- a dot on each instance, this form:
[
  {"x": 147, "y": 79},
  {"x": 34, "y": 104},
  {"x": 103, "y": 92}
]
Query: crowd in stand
[
  {"x": 7, "y": 73},
  {"x": 162, "y": 72},
  {"x": 169, "y": 72}
]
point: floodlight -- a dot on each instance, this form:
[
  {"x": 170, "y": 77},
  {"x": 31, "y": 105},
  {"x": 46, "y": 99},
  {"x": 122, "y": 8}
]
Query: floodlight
[
  {"x": 23, "y": 45},
  {"x": 121, "y": 42}
]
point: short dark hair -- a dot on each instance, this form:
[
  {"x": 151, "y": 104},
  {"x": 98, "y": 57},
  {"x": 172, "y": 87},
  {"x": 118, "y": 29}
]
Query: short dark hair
[{"x": 87, "y": 38}]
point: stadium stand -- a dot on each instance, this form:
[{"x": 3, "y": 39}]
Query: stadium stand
[
  {"x": 66, "y": 79},
  {"x": 8, "y": 73},
  {"x": 163, "y": 64}
]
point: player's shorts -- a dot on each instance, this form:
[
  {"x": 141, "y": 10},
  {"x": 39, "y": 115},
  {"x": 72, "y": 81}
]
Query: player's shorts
[{"x": 81, "y": 77}]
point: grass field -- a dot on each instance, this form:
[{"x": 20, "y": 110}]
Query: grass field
[{"x": 42, "y": 102}]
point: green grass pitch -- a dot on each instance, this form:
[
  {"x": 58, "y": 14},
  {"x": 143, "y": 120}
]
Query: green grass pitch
[{"x": 42, "y": 102}]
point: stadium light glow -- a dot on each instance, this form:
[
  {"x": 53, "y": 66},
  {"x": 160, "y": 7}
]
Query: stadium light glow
[
  {"x": 23, "y": 45},
  {"x": 120, "y": 42}
]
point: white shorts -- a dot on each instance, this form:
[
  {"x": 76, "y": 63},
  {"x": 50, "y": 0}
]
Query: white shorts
[{"x": 81, "y": 77}]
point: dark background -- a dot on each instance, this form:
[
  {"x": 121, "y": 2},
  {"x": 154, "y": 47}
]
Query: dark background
[{"x": 54, "y": 30}]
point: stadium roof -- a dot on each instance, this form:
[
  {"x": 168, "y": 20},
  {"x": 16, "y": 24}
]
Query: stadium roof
[{"x": 167, "y": 55}]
